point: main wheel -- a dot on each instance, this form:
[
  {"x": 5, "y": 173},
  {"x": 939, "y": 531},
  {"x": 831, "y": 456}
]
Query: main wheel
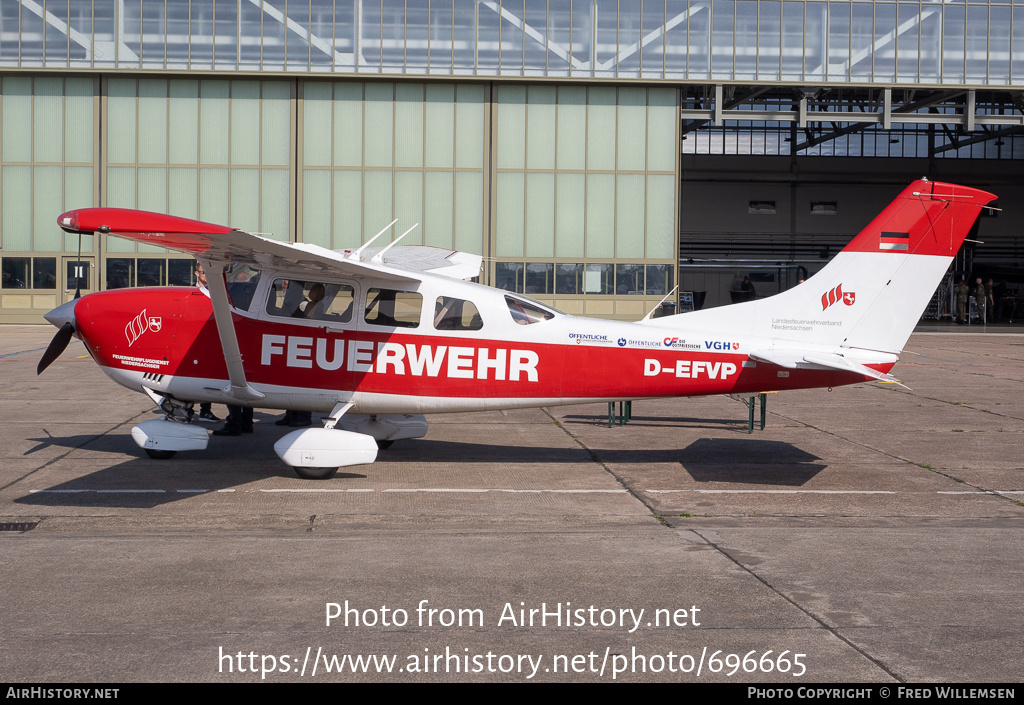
[
  {"x": 160, "y": 454},
  {"x": 384, "y": 445},
  {"x": 315, "y": 473}
]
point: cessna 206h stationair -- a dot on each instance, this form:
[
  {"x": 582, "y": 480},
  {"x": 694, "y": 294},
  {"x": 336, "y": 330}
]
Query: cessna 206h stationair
[{"x": 379, "y": 337}]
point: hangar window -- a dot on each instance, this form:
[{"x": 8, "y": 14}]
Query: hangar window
[
  {"x": 123, "y": 272},
  {"x": 539, "y": 278},
  {"x": 16, "y": 273},
  {"x": 120, "y": 272},
  {"x": 761, "y": 208},
  {"x": 44, "y": 272},
  {"x": 659, "y": 279},
  {"x": 583, "y": 278},
  {"x": 823, "y": 208}
]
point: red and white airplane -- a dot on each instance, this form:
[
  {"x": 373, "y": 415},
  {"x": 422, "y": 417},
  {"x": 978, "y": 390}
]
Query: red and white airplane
[{"x": 379, "y": 337}]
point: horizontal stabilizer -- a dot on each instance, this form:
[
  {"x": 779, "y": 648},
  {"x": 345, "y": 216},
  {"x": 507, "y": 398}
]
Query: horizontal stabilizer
[{"x": 792, "y": 359}]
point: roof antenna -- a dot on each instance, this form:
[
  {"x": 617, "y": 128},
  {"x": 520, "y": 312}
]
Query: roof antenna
[
  {"x": 663, "y": 300},
  {"x": 356, "y": 255},
  {"x": 379, "y": 257}
]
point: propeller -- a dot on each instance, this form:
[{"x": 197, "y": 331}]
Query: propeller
[
  {"x": 64, "y": 318},
  {"x": 63, "y": 312},
  {"x": 56, "y": 347}
]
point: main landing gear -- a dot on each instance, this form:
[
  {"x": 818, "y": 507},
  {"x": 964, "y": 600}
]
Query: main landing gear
[
  {"x": 314, "y": 453},
  {"x": 163, "y": 438}
]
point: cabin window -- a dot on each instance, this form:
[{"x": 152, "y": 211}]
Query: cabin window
[
  {"x": 524, "y": 312},
  {"x": 338, "y": 304},
  {"x": 291, "y": 298},
  {"x": 397, "y": 309},
  {"x": 456, "y": 314}
]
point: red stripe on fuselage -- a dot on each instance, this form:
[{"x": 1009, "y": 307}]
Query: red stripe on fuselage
[{"x": 408, "y": 363}]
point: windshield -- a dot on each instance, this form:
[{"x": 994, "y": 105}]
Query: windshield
[
  {"x": 241, "y": 280},
  {"x": 524, "y": 311}
]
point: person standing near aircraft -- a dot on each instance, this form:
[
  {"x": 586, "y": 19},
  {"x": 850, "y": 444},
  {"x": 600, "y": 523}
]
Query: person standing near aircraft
[
  {"x": 241, "y": 287},
  {"x": 990, "y": 289},
  {"x": 239, "y": 421},
  {"x": 980, "y": 298},
  {"x": 963, "y": 293},
  {"x": 206, "y": 408},
  {"x": 747, "y": 287},
  {"x": 306, "y": 309}
]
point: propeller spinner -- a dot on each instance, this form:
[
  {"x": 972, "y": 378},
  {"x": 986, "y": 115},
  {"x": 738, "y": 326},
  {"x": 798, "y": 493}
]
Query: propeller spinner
[{"x": 64, "y": 317}]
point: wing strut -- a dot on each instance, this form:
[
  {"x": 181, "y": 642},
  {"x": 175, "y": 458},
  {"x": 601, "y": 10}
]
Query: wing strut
[{"x": 237, "y": 387}]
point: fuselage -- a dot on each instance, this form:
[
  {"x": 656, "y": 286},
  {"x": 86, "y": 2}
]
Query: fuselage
[{"x": 437, "y": 344}]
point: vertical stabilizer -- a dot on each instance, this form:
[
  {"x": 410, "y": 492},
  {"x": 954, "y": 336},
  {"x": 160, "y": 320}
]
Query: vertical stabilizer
[{"x": 871, "y": 295}]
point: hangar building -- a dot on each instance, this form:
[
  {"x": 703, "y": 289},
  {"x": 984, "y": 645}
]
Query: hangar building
[{"x": 596, "y": 152}]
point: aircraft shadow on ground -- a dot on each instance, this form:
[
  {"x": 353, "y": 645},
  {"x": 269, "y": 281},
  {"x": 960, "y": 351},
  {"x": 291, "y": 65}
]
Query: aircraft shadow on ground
[
  {"x": 143, "y": 483},
  {"x": 104, "y": 443},
  {"x": 723, "y": 460},
  {"x": 737, "y": 422},
  {"x": 749, "y": 461}
]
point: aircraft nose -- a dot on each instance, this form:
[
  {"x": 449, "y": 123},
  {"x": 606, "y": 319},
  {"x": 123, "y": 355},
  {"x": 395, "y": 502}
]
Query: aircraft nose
[{"x": 65, "y": 313}]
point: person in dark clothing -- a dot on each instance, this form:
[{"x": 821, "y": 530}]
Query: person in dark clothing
[
  {"x": 205, "y": 408},
  {"x": 980, "y": 299},
  {"x": 300, "y": 419},
  {"x": 239, "y": 421},
  {"x": 747, "y": 287}
]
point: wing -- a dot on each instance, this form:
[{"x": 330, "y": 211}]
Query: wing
[
  {"x": 431, "y": 260},
  {"x": 218, "y": 243}
]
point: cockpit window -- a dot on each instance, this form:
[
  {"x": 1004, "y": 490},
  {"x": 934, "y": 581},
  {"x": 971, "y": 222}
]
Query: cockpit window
[
  {"x": 387, "y": 307},
  {"x": 524, "y": 312},
  {"x": 242, "y": 280},
  {"x": 456, "y": 314},
  {"x": 317, "y": 301}
]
